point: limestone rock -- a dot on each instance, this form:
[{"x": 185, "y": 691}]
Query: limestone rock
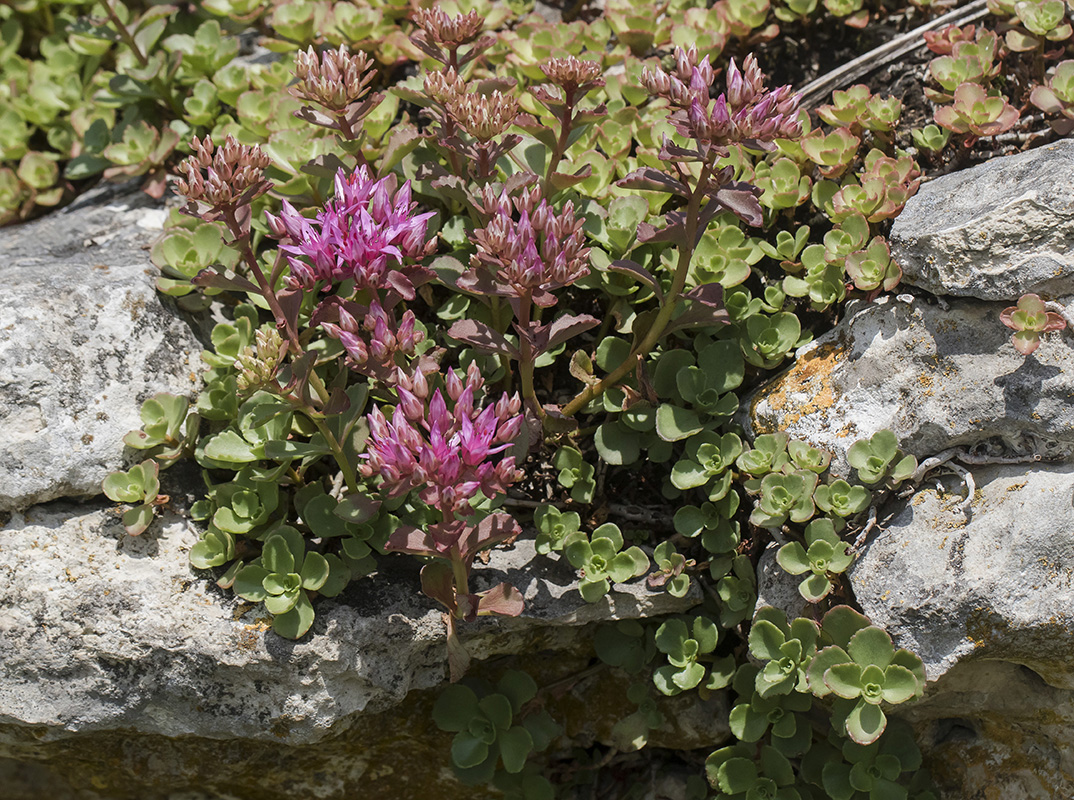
[
  {"x": 994, "y": 231},
  {"x": 987, "y": 604},
  {"x": 993, "y": 730},
  {"x": 102, "y": 631},
  {"x": 938, "y": 377},
  {"x": 999, "y": 585},
  {"x": 84, "y": 339}
]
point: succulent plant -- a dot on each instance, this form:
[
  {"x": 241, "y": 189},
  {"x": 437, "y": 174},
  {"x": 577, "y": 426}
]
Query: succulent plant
[{"x": 1029, "y": 319}]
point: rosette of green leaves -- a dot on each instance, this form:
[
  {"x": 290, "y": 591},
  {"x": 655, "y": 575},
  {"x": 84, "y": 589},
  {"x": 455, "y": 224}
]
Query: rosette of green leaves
[
  {"x": 824, "y": 554},
  {"x": 768, "y": 454},
  {"x": 724, "y": 255},
  {"x": 215, "y": 548},
  {"x": 627, "y": 644},
  {"x": 1042, "y": 21},
  {"x": 632, "y": 731},
  {"x": 553, "y": 528},
  {"x": 602, "y": 560},
  {"x": 788, "y": 649},
  {"x": 766, "y": 340},
  {"x": 933, "y": 137},
  {"x": 785, "y": 496},
  {"x": 822, "y": 278},
  {"x": 1057, "y": 97},
  {"x": 709, "y": 385},
  {"x": 282, "y": 576},
  {"x": 244, "y": 504},
  {"x": 736, "y": 588},
  {"x": 689, "y": 654},
  {"x": 713, "y": 522},
  {"x": 874, "y": 770},
  {"x": 621, "y": 439},
  {"x": 576, "y": 474},
  {"x": 263, "y": 419},
  {"x": 841, "y": 500},
  {"x": 487, "y": 726},
  {"x": 805, "y": 456},
  {"x": 669, "y": 573},
  {"x": 868, "y": 671},
  {"x": 706, "y": 463},
  {"x": 737, "y": 774},
  {"x": 181, "y": 253},
  {"x": 783, "y": 184},
  {"x": 162, "y": 433},
  {"x": 781, "y": 715},
  {"x": 138, "y": 486},
  {"x": 353, "y": 521},
  {"x": 879, "y": 457},
  {"x": 873, "y": 267},
  {"x": 1030, "y": 319}
]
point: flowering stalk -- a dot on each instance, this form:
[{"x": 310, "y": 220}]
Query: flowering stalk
[
  {"x": 339, "y": 82},
  {"x": 446, "y": 456},
  {"x": 574, "y": 78},
  {"x": 234, "y": 178},
  {"x": 523, "y": 253},
  {"x": 745, "y": 114}
]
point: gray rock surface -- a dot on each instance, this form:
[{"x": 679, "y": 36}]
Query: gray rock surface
[
  {"x": 994, "y": 231},
  {"x": 102, "y": 632},
  {"x": 988, "y": 604},
  {"x": 997, "y": 586},
  {"x": 938, "y": 377},
  {"x": 84, "y": 340}
]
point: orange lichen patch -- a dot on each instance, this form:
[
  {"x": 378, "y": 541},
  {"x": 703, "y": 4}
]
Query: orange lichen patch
[{"x": 810, "y": 377}]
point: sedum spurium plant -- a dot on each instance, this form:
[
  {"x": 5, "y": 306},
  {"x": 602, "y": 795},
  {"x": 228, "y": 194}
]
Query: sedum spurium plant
[{"x": 556, "y": 251}]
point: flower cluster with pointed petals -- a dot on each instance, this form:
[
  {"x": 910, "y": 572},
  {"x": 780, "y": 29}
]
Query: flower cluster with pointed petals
[
  {"x": 364, "y": 234},
  {"x": 444, "y": 454},
  {"x": 746, "y": 113}
]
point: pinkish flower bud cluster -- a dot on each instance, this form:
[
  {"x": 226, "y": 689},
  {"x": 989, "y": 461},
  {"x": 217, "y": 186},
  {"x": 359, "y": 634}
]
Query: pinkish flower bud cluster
[
  {"x": 441, "y": 36},
  {"x": 363, "y": 234},
  {"x": 234, "y": 173},
  {"x": 444, "y": 454},
  {"x": 442, "y": 29},
  {"x": 573, "y": 74},
  {"x": 526, "y": 250},
  {"x": 483, "y": 116},
  {"x": 334, "y": 79},
  {"x": 746, "y": 113},
  {"x": 445, "y": 86},
  {"x": 373, "y": 344}
]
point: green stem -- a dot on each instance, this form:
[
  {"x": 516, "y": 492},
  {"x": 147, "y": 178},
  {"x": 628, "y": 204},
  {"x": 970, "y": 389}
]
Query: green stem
[
  {"x": 526, "y": 360},
  {"x": 663, "y": 317},
  {"x": 461, "y": 574},
  {"x": 344, "y": 464},
  {"x": 125, "y": 34},
  {"x": 565, "y": 125}
]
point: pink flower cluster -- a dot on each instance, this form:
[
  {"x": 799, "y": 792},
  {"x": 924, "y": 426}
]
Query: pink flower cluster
[
  {"x": 528, "y": 256},
  {"x": 745, "y": 114},
  {"x": 358, "y": 235},
  {"x": 444, "y": 454}
]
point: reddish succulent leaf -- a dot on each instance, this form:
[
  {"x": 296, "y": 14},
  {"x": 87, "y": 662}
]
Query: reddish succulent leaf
[{"x": 503, "y": 600}]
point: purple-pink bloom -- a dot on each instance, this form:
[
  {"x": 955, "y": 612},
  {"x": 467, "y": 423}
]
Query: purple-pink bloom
[
  {"x": 746, "y": 113},
  {"x": 363, "y": 234},
  {"x": 444, "y": 454}
]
